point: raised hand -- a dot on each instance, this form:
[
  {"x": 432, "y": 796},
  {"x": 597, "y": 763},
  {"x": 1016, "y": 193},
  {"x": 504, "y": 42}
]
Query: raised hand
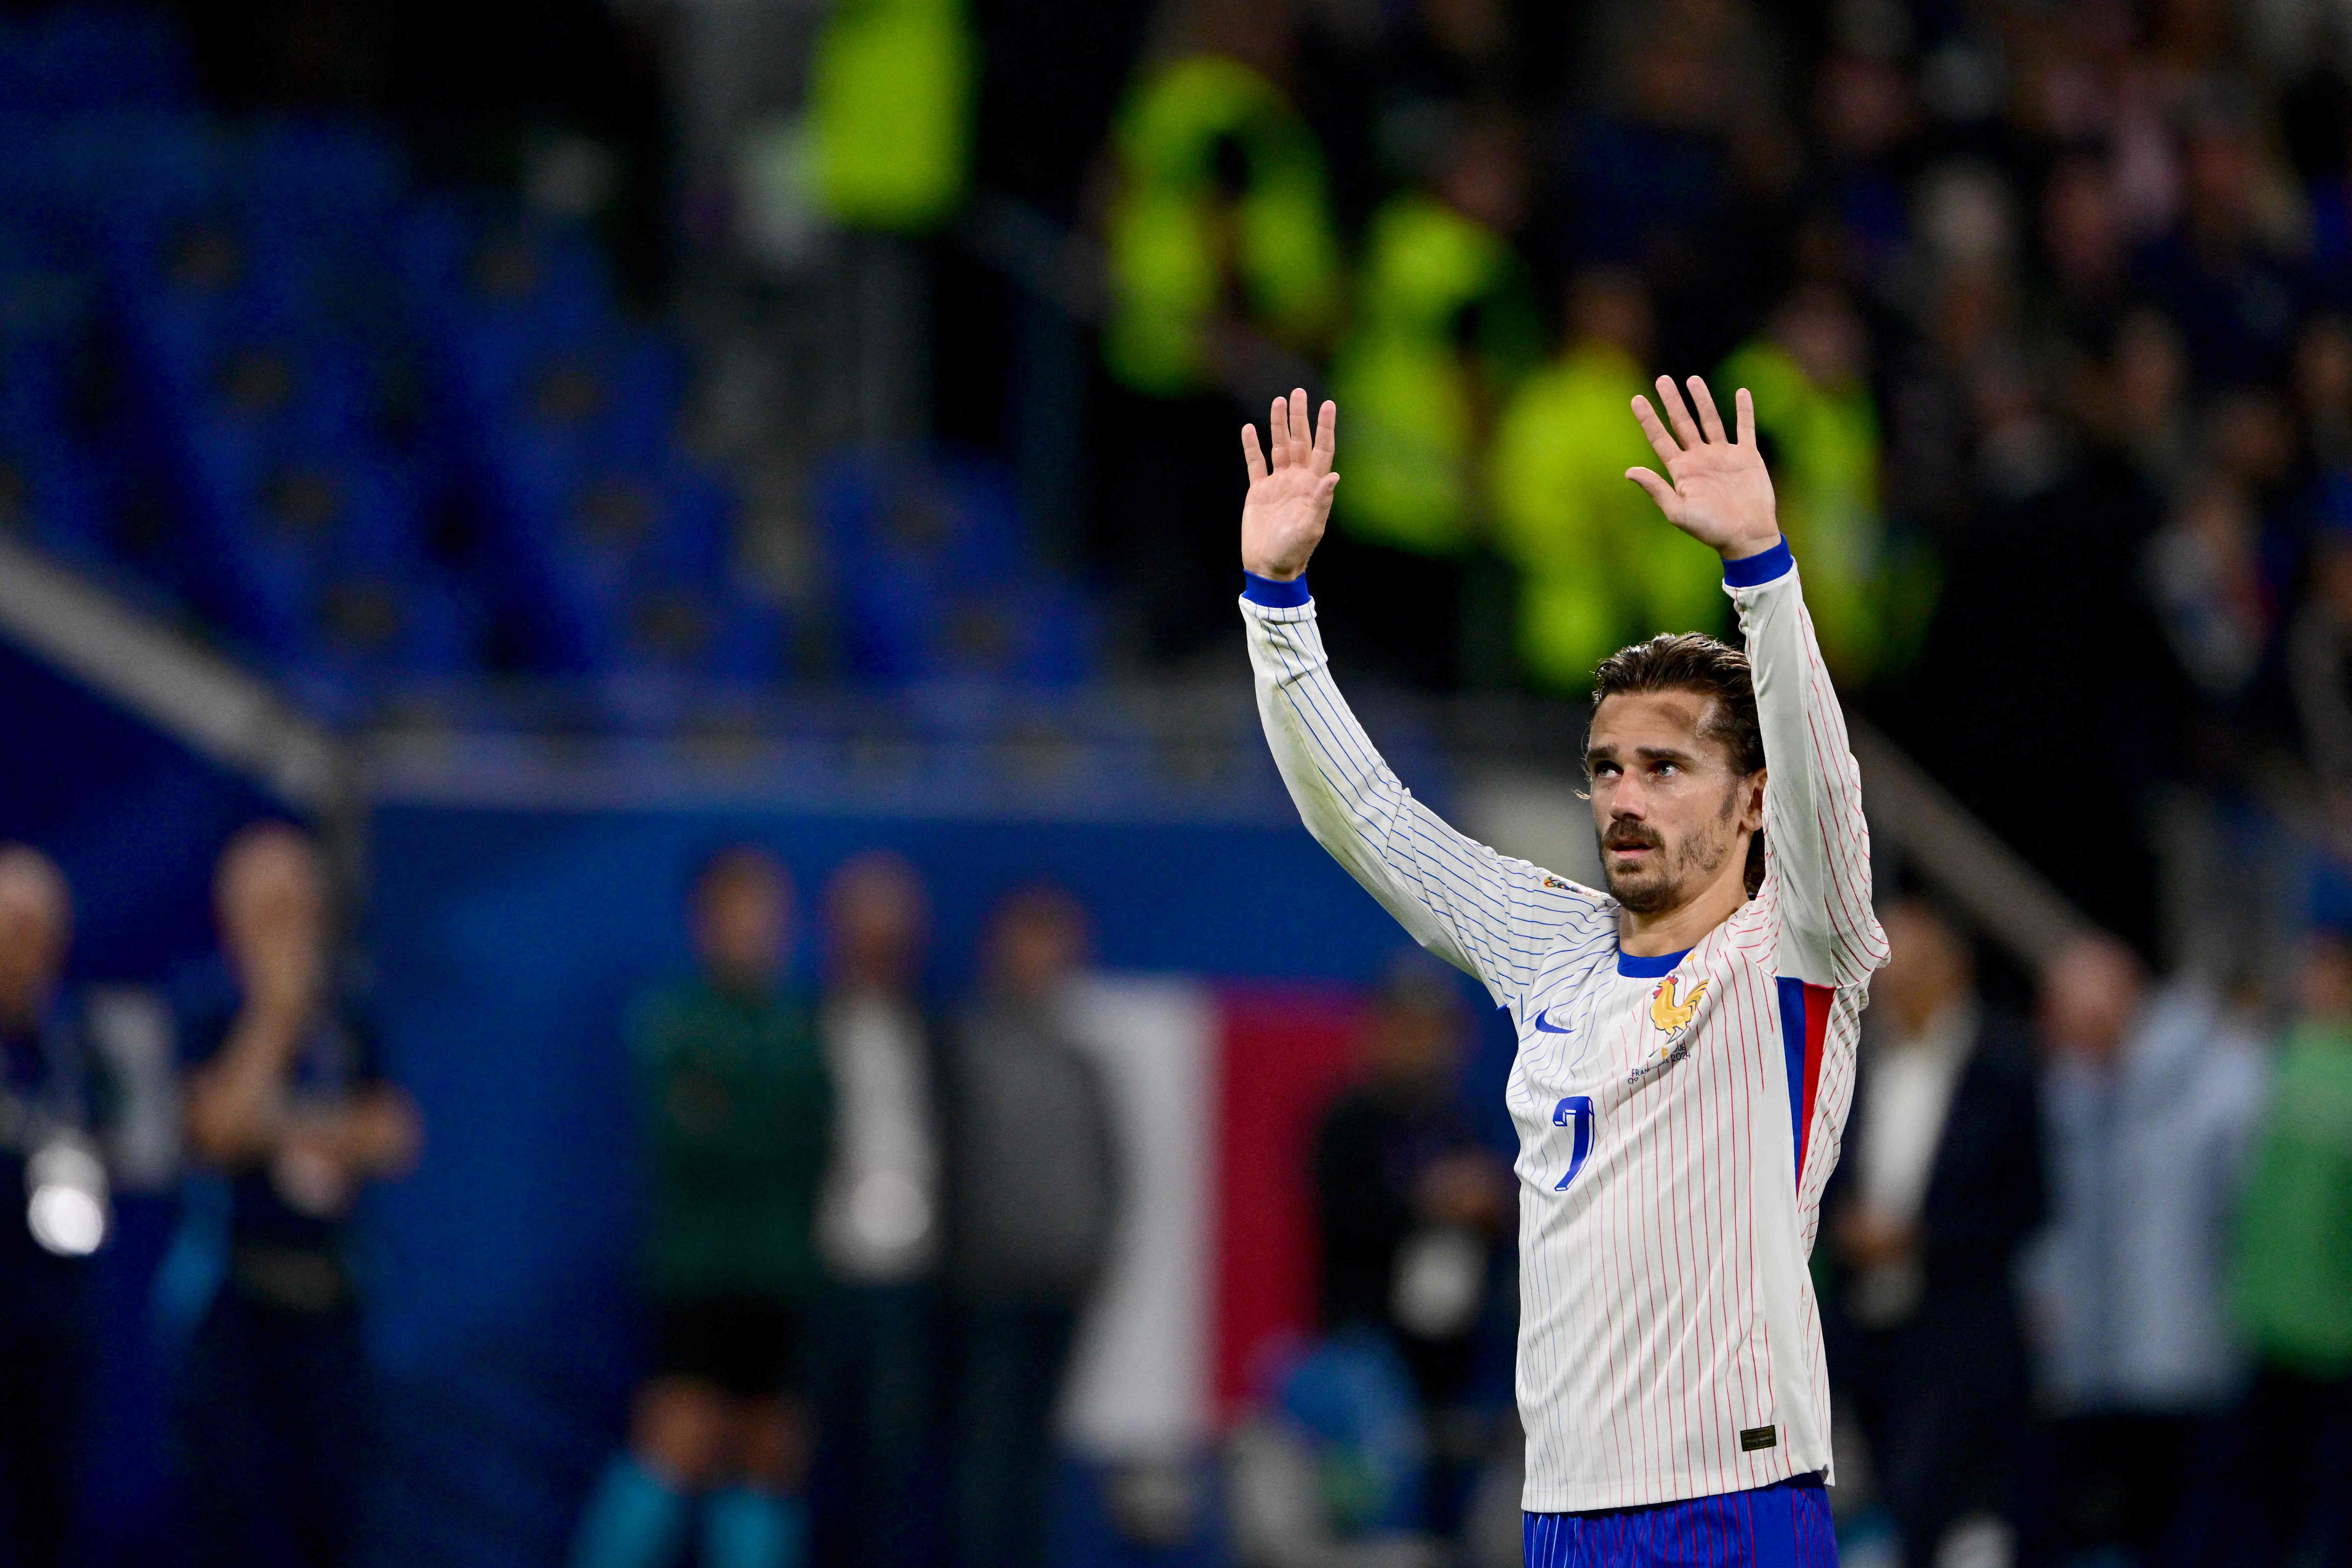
[
  {"x": 1720, "y": 494},
  {"x": 1289, "y": 497}
]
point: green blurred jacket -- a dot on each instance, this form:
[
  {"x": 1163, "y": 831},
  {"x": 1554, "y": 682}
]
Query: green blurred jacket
[
  {"x": 738, "y": 1112},
  {"x": 1598, "y": 566},
  {"x": 2293, "y": 1284},
  {"x": 891, "y": 102},
  {"x": 1180, "y": 243},
  {"x": 1414, "y": 392},
  {"x": 1824, "y": 450}
]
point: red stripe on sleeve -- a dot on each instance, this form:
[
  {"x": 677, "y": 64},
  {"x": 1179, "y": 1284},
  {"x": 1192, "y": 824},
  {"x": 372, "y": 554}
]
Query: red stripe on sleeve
[{"x": 1817, "y": 1022}]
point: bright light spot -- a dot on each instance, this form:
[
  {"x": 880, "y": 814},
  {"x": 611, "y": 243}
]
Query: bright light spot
[
  {"x": 69, "y": 1221},
  {"x": 887, "y": 1210}
]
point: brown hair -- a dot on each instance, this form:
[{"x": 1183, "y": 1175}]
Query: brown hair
[{"x": 1686, "y": 662}]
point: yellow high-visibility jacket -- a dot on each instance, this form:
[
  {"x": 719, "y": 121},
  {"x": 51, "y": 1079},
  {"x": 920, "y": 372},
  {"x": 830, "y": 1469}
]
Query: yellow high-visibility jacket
[
  {"x": 1180, "y": 245},
  {"x": 890, "y": 105},
  {"x": 1599, "y": 568},
  {"x": 1416, "y": 393}
]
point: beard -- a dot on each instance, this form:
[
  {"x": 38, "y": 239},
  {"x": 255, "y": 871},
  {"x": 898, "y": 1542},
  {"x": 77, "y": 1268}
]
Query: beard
[{"x": 1671, "y": 875}]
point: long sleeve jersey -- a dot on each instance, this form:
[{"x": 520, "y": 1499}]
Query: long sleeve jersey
[{"x": 1677, "y": 1115}]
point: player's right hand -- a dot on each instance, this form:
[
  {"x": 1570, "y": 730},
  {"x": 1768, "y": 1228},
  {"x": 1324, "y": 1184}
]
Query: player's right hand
[{"x": 1289, "y": 497}]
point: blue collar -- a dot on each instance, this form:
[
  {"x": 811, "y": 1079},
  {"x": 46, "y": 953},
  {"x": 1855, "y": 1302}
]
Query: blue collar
[{"x": 1656, "y": 968}]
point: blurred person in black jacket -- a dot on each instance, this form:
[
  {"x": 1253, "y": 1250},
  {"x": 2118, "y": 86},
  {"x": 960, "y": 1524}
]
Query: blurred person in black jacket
[
  {"x": 52, "y": 1190},
  {"x": 1414, "y": 1213},
  {"x": 1940, "y": 1184},
  {"x": 1030, "y": 1211},
  {"x": 878, "y": 1223},
  {"x": 285, "y": 1100}
]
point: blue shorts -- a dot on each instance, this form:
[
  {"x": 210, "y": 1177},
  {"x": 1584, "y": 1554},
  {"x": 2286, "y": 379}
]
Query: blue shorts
[{"x": 1785, "y": 1525}]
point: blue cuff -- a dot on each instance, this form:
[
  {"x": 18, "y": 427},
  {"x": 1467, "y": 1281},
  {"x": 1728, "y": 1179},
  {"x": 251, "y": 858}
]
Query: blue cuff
[
  {"x": 1277, "y": 595},
  {"x": 1751, "y": 571}
]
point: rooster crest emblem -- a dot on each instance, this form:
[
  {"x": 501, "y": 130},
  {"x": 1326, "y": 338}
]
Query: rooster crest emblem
[{"x": 1672, "y": 1013}]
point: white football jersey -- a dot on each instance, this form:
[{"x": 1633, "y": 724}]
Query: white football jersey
[{"x": 1678, "y": 1116}]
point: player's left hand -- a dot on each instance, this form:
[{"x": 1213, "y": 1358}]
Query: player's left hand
[{"x": 1720, "y": 494}]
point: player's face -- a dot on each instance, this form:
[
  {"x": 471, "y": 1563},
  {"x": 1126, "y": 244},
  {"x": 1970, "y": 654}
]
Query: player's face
[{"x": 1667, "y": 804}]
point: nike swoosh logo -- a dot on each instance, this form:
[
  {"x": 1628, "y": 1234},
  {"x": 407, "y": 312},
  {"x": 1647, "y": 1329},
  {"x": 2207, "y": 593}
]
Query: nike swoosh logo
[{"x": 1553, "y": 1028}]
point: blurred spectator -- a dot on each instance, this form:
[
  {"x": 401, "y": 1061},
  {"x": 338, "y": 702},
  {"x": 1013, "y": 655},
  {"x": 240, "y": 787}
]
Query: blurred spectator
[
  {"x": 1031, "y": 1212},
  {"x": 1445, "y": 328},
  {"x": 2151, "y": 1099},
  {"x": 1595, "y": 569},
  {"x": 2204, "y": 576},
  {"x": 1809, "y": 374},
  {"x": 1940, "y": 1187},
  {"x": 2293, "y": 1287},
  {"x": 2085, "y": 245},
  {"x": 286, "y": 1098},
  {"x": 1416, "y": 1214},
  {"x": 737, "y": 1109},
  {"x": 49, "y": 1164},
  {"x": 2319, "y": 661},
  {"x": 1867, "y": 109},
  {"x": 879, "y": 1224},
  {"x": 2323, "y": 392},
  {"x": 1220, "y": 236},
  {"x": 2144, "y": 400},
  {"x": 1674, "y": 157},
  {"x": 1966, "y": 425},
  {"x": 1221, "y": 219},
  {"x": 2043, "y": 635},
  {"x": 890, "y": 90},
  {"x": 2223, "y": 274},
  {"x": 1385, "y": 87}
]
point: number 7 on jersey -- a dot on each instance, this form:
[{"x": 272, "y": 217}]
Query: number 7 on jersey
[{"x": 1576, "y": 1108}]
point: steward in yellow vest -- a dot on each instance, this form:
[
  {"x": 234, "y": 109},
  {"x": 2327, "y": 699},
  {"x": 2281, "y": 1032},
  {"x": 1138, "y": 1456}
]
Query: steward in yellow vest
[
  {"x": 1595, "y": 572},
  {"x": 1813, "y": 405},
  {"x": 1446, "y": 328},
  {"x": 1222, "y": 211},
  {"x": 890, "y": 103}
]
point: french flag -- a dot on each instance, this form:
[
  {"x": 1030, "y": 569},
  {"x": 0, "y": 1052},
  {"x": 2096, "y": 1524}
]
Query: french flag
[{"x": 1217, "y": 1089}]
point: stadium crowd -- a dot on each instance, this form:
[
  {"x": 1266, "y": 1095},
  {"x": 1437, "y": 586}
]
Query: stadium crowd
[{"x": 2045, "y": 309}]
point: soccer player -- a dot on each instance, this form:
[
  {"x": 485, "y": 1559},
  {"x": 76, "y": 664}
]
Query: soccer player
[{"x": 1686, "y": 1038}]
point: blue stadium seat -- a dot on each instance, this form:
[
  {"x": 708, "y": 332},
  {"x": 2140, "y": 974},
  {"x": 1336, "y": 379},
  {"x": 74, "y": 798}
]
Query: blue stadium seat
[
  {"x": 375, "y": 631},
  {"x": 933, "y": 580},
  {"x": 123, "y": 173},
  {"x": 73, "y": 58},
  {"x": 332, "y": 176},
  {"x": 54, "y": 497},
  {"x": 576, "y": 543},
  {"x": 259, "y": 289},
  {"x": 935, "y": 510}
]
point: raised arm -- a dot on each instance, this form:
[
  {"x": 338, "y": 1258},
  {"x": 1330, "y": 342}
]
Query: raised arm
[
  {"x": 1817, "y": 844},
  {"x": 1462, "y": 900}
]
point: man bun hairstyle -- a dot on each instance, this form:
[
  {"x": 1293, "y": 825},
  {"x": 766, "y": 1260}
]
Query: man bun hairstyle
[{"x": 1686, "y": 662}]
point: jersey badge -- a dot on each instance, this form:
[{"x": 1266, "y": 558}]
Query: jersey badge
[{"x": 1671, "y": 1012}]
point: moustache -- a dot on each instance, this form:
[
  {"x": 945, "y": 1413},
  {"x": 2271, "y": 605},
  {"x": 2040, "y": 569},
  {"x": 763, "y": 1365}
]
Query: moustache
[{"x": 1632, "y": 838}]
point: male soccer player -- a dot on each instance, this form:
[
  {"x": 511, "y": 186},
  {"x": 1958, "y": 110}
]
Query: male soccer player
[{"x": 1686, "y": 1039}]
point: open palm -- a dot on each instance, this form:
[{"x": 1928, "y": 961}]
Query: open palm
[
  {"x": 1289, "y": 496},
  {"x": 1721, "y": 493}
]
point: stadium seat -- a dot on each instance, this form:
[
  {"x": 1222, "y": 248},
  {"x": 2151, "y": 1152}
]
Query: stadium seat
[
  {"x": 69, "y": 60},
  {"x": 932, "y": 578}
]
